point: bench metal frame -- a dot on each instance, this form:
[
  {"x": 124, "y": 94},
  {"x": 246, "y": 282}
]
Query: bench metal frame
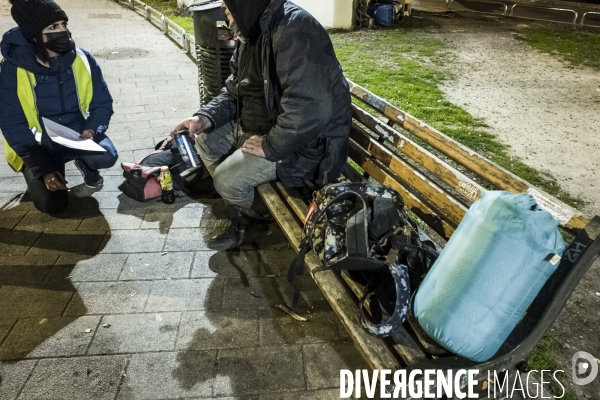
[
  {"x": 543, "y": 8},
  {"x": 586, "y": 14}
]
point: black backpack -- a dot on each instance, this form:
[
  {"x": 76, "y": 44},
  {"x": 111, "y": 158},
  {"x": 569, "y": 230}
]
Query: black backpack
[{"x": 362, "y": 229}]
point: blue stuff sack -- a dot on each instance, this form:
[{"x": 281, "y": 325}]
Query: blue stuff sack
[
  {"x": 382, "y": 14},
  {"x": 489, "y": 273}
]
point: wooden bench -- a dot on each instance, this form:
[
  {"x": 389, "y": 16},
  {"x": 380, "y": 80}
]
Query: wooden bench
[{"x": 439, "y": 179}]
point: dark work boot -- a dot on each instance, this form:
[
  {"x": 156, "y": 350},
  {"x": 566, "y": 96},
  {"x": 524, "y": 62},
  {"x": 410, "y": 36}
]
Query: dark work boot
[{"x": 242, "y": 229}]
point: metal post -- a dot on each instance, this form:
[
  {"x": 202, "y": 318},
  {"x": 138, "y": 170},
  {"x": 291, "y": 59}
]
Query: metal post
[
  {"x": 164, "y": 23},
  {"x": 185, "y": 42}
]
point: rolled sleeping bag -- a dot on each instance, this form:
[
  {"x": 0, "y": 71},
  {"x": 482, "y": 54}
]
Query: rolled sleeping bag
[{"x": 489, "y": 273}]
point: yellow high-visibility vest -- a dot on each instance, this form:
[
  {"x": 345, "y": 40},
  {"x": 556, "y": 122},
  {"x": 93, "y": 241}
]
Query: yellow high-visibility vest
[{"x": 26, "y": 92}]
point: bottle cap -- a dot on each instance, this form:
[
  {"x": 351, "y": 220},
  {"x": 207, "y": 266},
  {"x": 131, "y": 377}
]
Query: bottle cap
[{"x": 164, "y": 169}]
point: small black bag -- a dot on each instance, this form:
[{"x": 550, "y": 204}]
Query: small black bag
[
  {"x": 141, "y": 178},
  {"x": 141, "y": 183}
]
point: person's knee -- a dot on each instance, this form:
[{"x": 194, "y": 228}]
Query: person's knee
[
  {"x": 111, "y": 159},
  {"x": 233, "y": 191},
  {"x": 52, "y": 204},
  {"x": 105, "y": 160}
]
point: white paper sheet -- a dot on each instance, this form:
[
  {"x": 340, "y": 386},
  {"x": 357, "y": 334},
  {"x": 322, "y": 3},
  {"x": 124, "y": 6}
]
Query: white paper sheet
[{"x": 68, "y": 137}]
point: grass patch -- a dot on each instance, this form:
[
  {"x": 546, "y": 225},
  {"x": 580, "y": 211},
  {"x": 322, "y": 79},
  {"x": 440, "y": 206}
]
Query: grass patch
[
  {"x": 576, "y": 47},
  {"x": 179, "y": 15},
  {"x": 186, "y": 23},
  {"x": 543, "y": 359},
  {"x": 405, "y": 69},
  {"x": 356, "y": 167}
]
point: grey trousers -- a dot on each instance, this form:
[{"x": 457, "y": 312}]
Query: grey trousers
[{"x": 235, "y": 174}]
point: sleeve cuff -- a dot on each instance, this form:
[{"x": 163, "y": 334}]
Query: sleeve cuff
[
  {"x": 266, "y": 148},
  {"x": 210, "y": 118},
  {"x": 40, "y": 171},
  {"x": 97, "y": 129}
]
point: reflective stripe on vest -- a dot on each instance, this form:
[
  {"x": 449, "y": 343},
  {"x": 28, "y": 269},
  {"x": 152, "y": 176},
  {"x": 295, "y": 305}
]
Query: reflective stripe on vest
[
  {"x": 83, "y": 79},
  {"x": 26, "y": 92}
]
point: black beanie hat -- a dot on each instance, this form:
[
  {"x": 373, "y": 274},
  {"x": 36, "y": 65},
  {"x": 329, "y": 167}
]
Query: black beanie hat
[{"x": 33, "y": 16}]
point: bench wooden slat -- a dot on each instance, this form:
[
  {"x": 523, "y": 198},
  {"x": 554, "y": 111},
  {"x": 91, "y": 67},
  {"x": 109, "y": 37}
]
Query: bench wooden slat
[
  {"x": 498, "y": 176},
  {"x": 443, "y": 201},
  {"x": 451, "y": 176},
  {"x": 298, "y": 205},
  {"x": 375, "y": 351},
  {"x": 411, "y": 200},
  {"x": 352, "y": 174}
]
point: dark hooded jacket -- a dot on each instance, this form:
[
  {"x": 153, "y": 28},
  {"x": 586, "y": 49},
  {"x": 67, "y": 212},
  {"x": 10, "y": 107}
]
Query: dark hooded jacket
[
  {"x": 307, "y": 96},
  {"x": 56, "y": 99}
]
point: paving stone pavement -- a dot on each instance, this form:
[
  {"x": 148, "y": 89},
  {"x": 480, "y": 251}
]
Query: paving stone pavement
[{"x": 91, "y": 307}]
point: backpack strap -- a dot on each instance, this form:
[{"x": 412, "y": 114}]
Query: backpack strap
[
  {"x": 357, "y": 230},
  {"x": 299, "y": 264},
  {"x": 357, "y": 245},
  {"x": 387, "y": 324},
  {"x": 296, "y": 269},
  {"x": 357, "y": 255}
]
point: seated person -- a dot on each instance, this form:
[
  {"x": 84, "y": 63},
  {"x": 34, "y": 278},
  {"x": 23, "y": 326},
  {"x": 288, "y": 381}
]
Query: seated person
[
  {"x": 283, "y": 114},
  {"x": 43, "y": 74}
]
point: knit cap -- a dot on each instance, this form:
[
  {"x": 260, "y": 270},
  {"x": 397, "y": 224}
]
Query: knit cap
[{"x": 33, "y": 16}]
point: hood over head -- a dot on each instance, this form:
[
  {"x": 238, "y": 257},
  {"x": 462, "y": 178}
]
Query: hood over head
[
  {"x": 19, "y": 52},
  {"x": 246, "y": 14}
]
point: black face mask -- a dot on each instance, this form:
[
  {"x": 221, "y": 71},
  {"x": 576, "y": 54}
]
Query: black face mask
[{"x": 59, "y": 42}]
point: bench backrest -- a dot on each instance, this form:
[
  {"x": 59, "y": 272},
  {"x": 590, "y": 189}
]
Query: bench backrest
[{"x": 438, "y": 188}]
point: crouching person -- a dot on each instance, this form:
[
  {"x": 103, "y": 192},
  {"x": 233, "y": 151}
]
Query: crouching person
[
  {"x": 283, "y": 114},
  {"x": 43, "y": 74}
]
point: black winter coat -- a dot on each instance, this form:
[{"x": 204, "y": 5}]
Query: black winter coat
[{"x": 307, "y": 97}]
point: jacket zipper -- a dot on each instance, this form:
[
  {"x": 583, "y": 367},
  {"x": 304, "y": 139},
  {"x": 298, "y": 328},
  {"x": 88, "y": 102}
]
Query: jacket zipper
[
  {"x": 62, "y": 101},
  {"x": 60, "y": 90}
]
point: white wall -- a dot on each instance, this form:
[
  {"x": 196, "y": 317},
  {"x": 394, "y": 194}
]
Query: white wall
[
  {"x": 186, "y": 2},
  {"x": 330, "y": 13}
]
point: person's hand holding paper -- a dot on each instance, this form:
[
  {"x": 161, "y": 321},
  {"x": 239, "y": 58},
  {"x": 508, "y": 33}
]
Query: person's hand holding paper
[
  {"x": 68, "y": 137},
  {"x": 87, "y": 134}
]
